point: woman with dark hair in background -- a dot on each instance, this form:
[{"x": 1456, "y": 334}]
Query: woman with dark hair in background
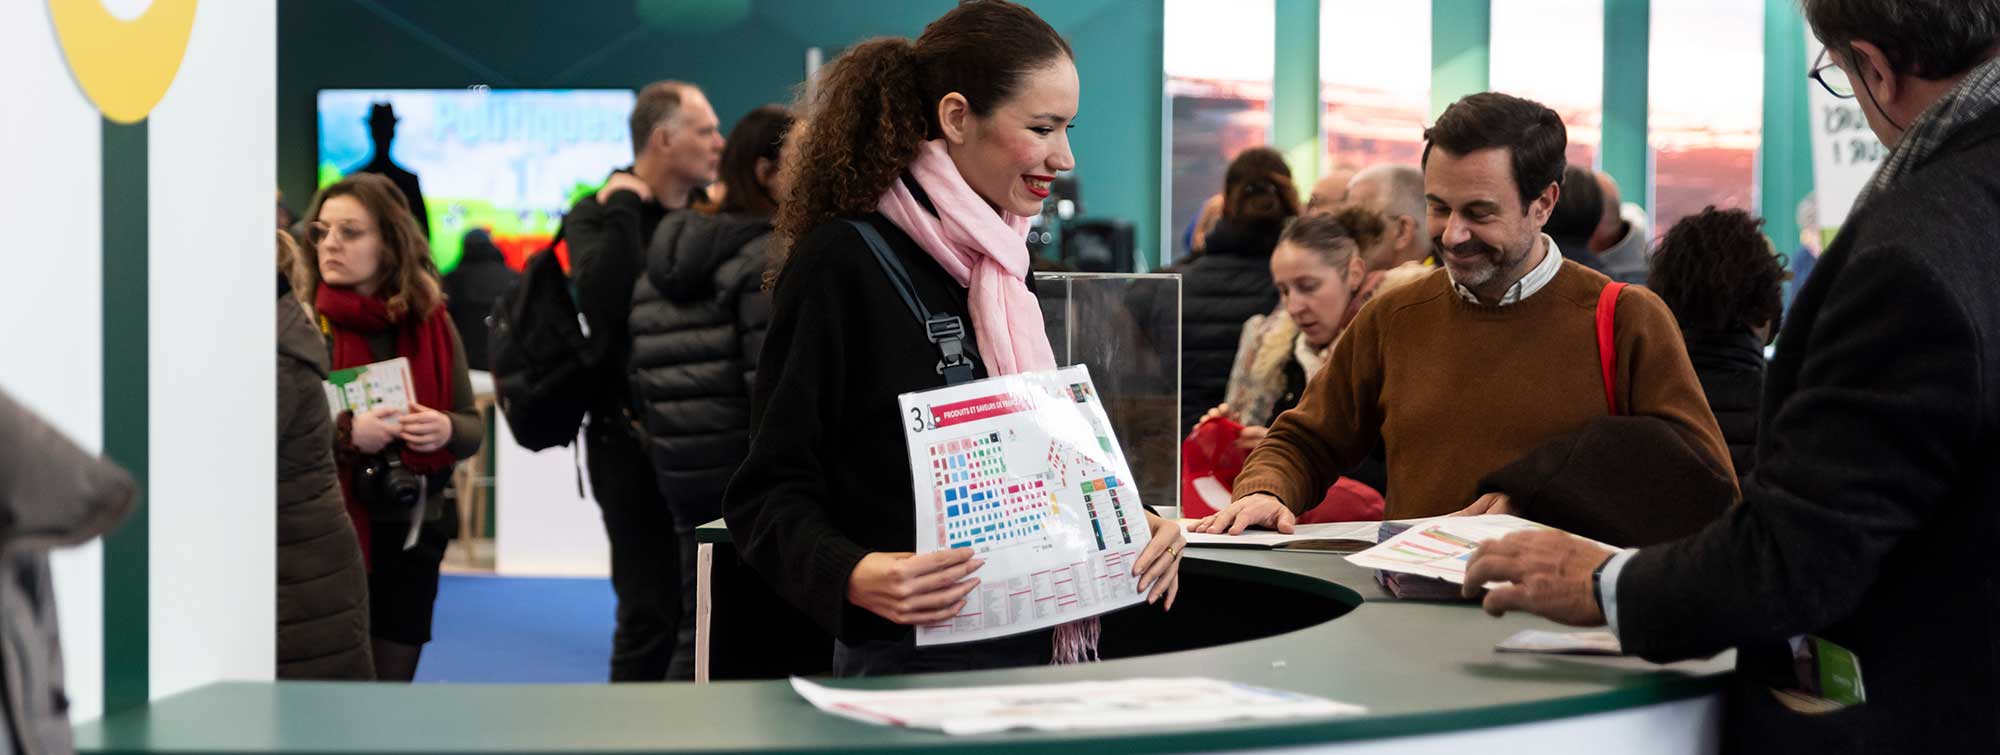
[
  {"x": 944, "y": 145},
  {"x": 1719, "y": 275},
  {"x": 379, "y": 297},
  {"x": 697, "y": 324},
  {"x": 1231, "y": 280}
]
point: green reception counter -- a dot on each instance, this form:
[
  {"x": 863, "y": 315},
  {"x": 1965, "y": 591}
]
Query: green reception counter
[{"x": 1300, "y": 621}]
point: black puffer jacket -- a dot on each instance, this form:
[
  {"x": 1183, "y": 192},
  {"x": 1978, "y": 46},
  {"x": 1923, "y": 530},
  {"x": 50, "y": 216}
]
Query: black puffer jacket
[
  {"x": 698, "y": 319},
  {"x": 1219, "y": 291},
  {"x": 1731, "y": 368}
]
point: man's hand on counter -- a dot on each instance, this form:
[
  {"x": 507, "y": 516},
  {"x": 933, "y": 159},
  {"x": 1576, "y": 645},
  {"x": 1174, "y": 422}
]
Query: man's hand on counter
[
  {"x": 1550, "y": 574},
  {"x": 1254, "y": 510}
]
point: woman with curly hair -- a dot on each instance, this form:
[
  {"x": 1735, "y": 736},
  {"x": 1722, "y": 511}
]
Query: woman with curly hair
[
  {"x": 1723, "y": 281},
  {"x": 944, "y": 146}
]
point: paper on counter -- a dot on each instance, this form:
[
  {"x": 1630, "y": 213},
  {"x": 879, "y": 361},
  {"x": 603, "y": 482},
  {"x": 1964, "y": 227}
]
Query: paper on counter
[
  {"x": 1366, "y": 533},
  {"x": 1068, "y": 706},
  {"x": 1561, "y": 643},
  {"x": 1441, "y": 547}
]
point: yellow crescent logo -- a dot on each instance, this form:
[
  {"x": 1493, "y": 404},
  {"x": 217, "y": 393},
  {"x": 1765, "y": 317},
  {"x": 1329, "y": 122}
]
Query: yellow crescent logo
[{"x": 124, "y": 67}]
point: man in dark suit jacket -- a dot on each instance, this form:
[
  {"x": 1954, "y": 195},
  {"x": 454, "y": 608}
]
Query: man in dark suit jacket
[{"x": 1871, "y": 519}]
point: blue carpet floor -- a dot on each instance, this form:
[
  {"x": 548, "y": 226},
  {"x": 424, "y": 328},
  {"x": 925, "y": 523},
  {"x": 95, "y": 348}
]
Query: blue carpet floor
[{"x": 517, "y": 630}]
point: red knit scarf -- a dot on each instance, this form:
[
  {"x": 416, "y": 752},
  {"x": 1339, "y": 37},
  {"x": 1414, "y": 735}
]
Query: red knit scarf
[{"x": 427, "y": 344}]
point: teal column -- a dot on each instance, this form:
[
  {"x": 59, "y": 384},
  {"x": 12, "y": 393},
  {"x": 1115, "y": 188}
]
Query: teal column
[
  {"x": 127, "y": 550},
  {"x": 1295, "y": 105},
  {"x": 1461, "y": 57},
  {"x": 1784, "y": 167},
  {"x": 1624, "y": 152}
]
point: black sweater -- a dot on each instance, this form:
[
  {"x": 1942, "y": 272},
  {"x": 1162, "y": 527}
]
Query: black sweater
[
  {"x": 827, "y": 478},
  {"x": 1871, "y": 517}
]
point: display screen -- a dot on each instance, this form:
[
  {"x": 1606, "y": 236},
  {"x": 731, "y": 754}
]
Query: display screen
[{"x": 510, "y": 161}]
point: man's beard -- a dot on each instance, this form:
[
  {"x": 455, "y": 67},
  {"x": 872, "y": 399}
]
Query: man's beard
[{"x": 1473, "y": 263}]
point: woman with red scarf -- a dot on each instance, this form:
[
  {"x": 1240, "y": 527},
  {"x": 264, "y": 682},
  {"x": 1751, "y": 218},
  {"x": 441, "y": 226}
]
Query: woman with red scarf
[{"x": 378, "y": 297}]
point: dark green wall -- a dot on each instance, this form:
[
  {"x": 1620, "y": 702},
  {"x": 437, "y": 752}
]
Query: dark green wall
[{"x": 744, "y": 53}]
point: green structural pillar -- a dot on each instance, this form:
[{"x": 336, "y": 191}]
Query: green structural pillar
[
  {"x": 1461, "y": 57},
  {"x": 127, "y": 550},
  {"x": 1624, "y": 152},
  {"x": 1295, "y": 103},
  {"x": 1784, "y": 170}
]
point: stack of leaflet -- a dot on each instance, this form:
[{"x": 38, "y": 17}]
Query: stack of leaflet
[
  {"x": 1412, "y": 587},
  {"x": 1428, "y": 559},
  {"x": 1404, "y": 586}
]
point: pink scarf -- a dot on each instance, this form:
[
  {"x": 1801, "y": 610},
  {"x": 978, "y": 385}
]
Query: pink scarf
[{"x": 987, "y": 252}]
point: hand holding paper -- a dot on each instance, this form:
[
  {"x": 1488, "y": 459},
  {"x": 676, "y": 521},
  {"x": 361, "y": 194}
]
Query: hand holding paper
[
  {"x": 907, "y": 588},
  {"x": 375, "y": 427},
  {"x": 1550, "y": 572},
  {"x": 424, "y": 429}
]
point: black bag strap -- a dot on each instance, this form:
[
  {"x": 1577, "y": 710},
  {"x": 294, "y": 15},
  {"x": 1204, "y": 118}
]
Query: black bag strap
[{"x": 947, "y": 332}]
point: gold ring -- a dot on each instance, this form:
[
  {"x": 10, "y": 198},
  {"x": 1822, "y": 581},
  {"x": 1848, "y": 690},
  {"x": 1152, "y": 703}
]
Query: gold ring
[{"x": 1173, "y": 551}]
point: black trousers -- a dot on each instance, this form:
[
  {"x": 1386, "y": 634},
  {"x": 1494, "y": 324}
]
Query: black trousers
[
  {"x": 889, "y": 657},
  {"x": 645, "y": 553}
]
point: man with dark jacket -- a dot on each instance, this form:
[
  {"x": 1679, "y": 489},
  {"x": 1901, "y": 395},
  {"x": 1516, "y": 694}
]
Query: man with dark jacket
[
  {"x": 676, "y": 144},
  {"x": 1863, "y": 546},
  {"x": 698, "y": 320},
  {"x": 481, "y": 278},
  {"x": 52, "y": 494}
]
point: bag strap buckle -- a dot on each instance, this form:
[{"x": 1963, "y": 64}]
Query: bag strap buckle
[{"x": 947, "y": 332}]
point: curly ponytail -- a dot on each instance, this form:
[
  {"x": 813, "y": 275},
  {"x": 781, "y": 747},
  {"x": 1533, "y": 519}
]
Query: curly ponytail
[
  {"x": 865, "y": 121},
  {"x": 876, "y": 104}
]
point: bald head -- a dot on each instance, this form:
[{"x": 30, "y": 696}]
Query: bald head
[
  {"x": 1611, "y": 227},
  {"x": 1329, "y": 191},
  {"x": 1397, "y": 193}
]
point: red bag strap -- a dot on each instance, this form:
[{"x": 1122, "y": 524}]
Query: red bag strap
[{"x": 1607, "y": 345}]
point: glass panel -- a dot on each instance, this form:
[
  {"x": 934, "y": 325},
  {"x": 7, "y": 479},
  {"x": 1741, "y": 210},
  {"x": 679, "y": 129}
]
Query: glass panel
[
  {"x": 1706, "y": 117},
  {"x": 1552, "y": 51},
  {"x": 1126, "y": 329},
  {"x": 1219, "y": 57},
  {"x": 1374, "y": 81}
]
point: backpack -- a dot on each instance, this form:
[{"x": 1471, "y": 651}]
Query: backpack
[{"x": 543, "y": 367}]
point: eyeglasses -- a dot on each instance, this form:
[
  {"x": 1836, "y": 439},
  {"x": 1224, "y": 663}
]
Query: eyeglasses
[
  {"x": 318, "y": 231},
  {"x": 1831, "y": 77}
]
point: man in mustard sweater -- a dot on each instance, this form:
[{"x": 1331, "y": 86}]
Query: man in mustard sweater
[{"x": 1485, "y": 359}]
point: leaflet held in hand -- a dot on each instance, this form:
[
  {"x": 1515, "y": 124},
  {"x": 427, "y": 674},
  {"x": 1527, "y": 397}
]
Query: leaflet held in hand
[
  {"x": 1024, "y": 470},
  {"x": 359, "y": 389},
  {"x": 1440, "y": 548}
]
